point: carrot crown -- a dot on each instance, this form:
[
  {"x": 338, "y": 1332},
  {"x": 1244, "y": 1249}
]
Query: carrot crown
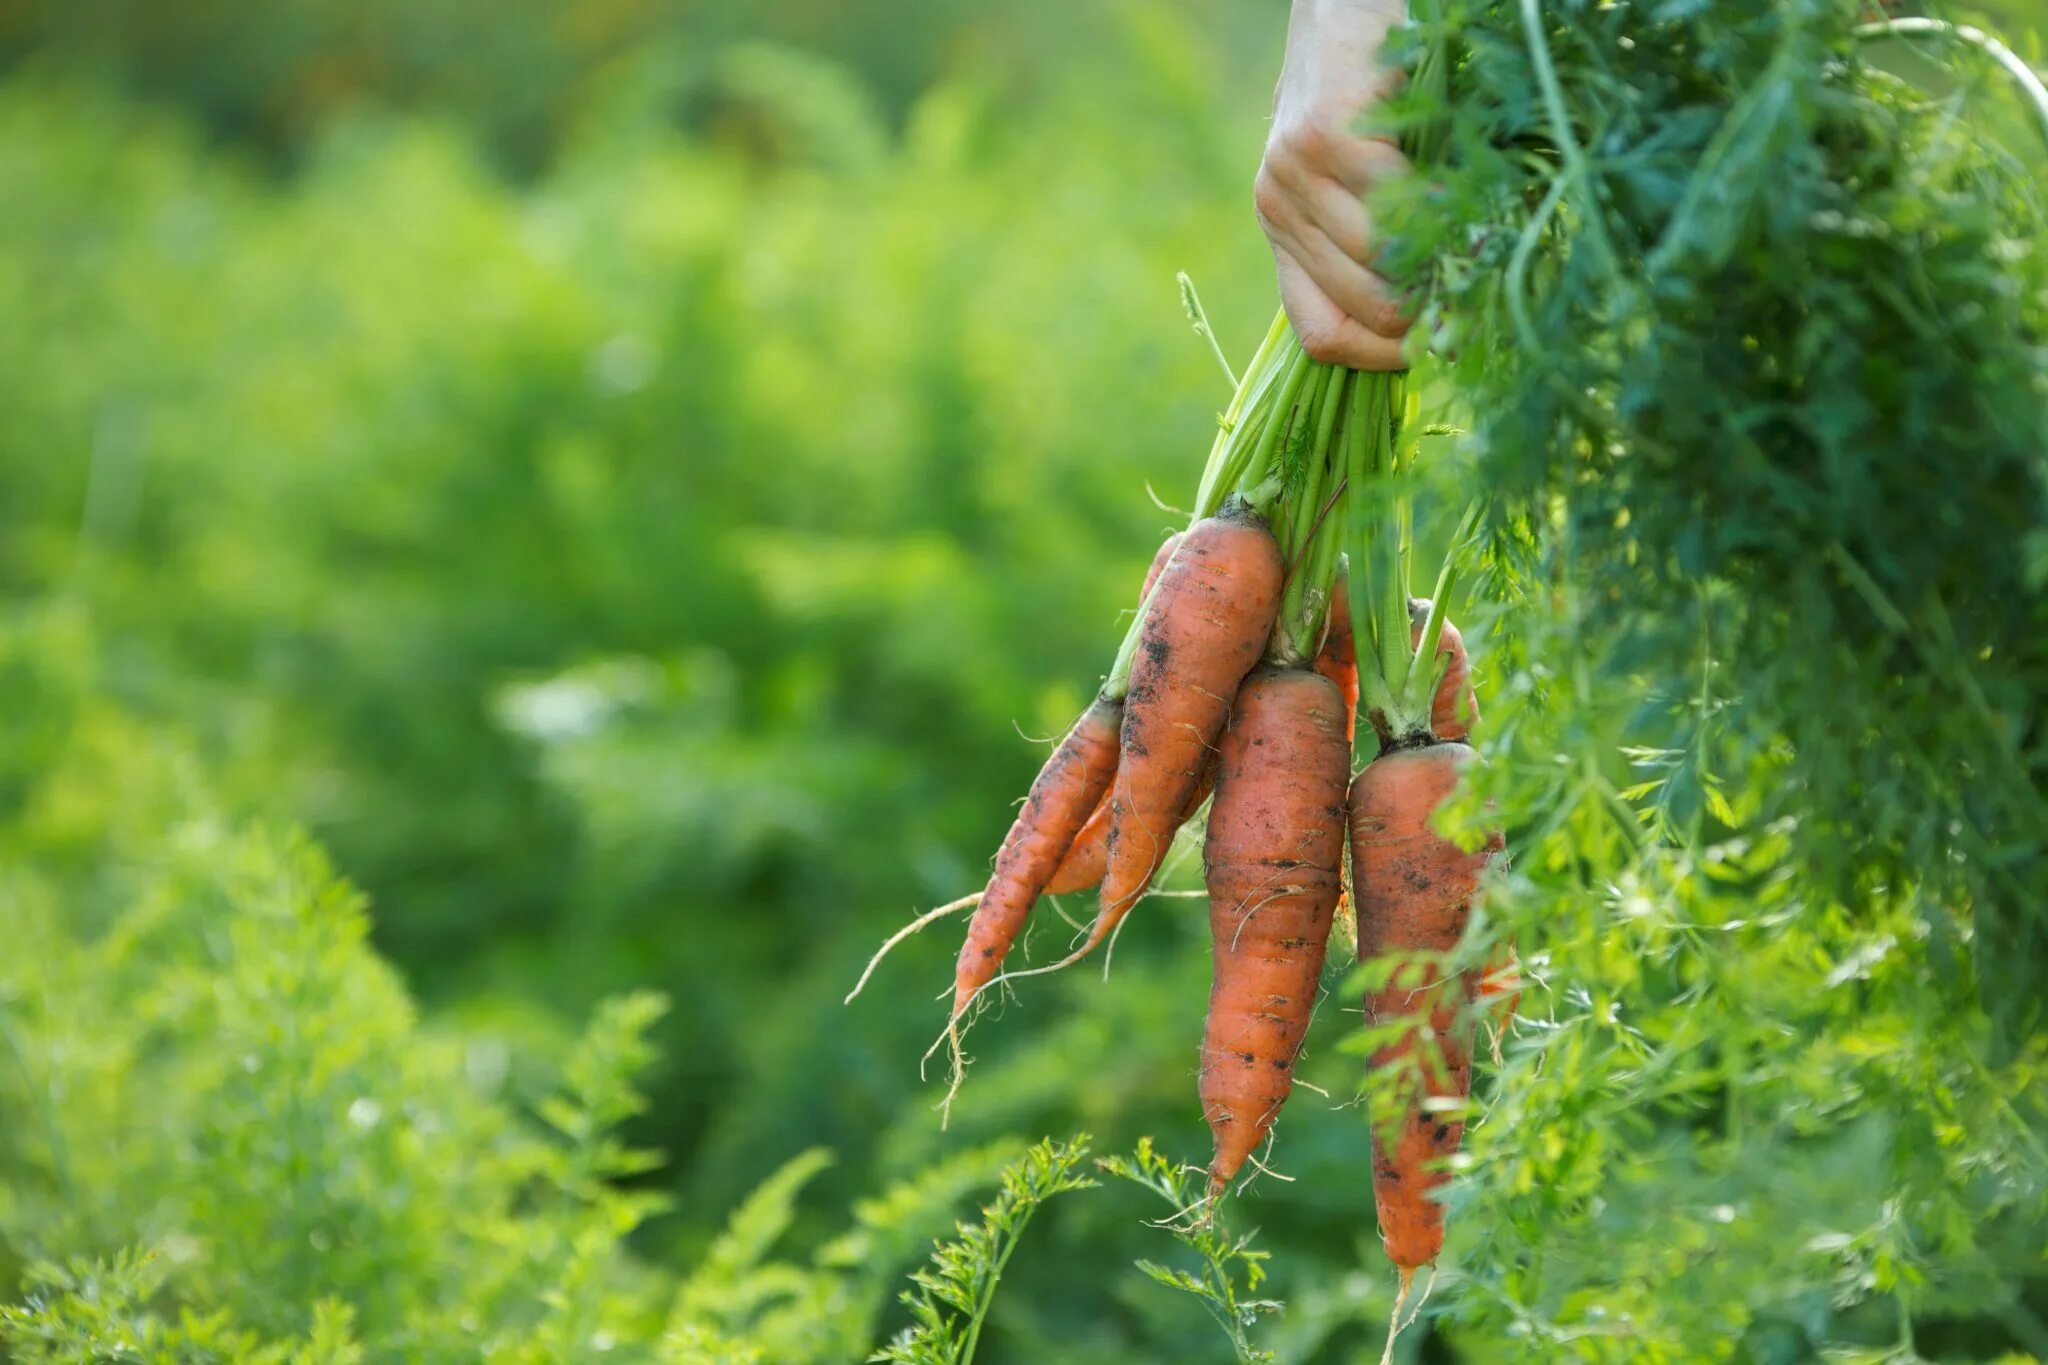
[{"x": 1398, "y": 669}]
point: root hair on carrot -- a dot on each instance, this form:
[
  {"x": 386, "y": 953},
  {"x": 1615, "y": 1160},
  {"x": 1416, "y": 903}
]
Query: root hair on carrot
[
  {"x": 1161, "y": 503},
  {"x": 1394, "y": 1318},
  {"x": 958, "y": 1072},
  {"x": 1262, "y": 1167},
  {"x": 928, "y": 918},
  {"x": 1059, "y": 908},
  {"x": 1030, "y": 738},
  {"x": 1423, "y": 1298}
]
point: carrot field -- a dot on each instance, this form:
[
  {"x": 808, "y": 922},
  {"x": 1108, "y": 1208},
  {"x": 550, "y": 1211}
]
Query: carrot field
[{"x": 591, "y": 769}]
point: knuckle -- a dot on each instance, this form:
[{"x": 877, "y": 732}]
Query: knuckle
[
  {"x": 1322, "y": 342},
  {"x": 1304, "y": 141},
  {"x": 1388, "y": 319},
  {"x": 1269, "y": 199},
  {"x": 1382, "y": 158},
  {"x": 1385, "y": 315}
]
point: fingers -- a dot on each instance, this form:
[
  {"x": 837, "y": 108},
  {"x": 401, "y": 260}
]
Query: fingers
[
  {"x": 1309, "y": 197},
  {"x": 1357, "y": 162},
  {"x": 1308, "y": 255},
  {"x": 1328, "y": 332}
]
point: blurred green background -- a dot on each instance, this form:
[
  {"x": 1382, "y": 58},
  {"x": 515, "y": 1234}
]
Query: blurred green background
[{"x": 626, "y": 476}]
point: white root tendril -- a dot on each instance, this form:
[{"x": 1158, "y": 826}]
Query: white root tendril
[
  {"x": 1427, "y": 1286},
  {"x": 922, "y": 921},
  {"x": 955, "y": 1029},
  {"x": 1394, "y": 1318}
]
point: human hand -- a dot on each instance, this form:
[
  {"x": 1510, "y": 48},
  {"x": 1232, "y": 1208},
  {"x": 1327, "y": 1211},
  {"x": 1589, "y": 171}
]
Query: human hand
[{"x": 1312, "y": 182}]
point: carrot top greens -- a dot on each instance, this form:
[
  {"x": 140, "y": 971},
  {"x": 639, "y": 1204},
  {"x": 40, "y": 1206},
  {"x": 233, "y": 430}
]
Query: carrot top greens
[{"x": 1749, "y": 306}]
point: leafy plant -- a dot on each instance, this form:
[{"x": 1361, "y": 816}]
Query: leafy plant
[
  {"x": 1750, "y": 329},
  {"x": 1199, "y": 1227},
  {"x": 951, "y": 1301}
]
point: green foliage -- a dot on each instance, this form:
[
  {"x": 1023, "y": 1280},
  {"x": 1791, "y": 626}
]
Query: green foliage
[
  {"x": 236, "y": 1142},
  {"x": 738, "y": 1305},
  {"x": 1198, "y": 1226},
  {"x": 96, "y": 1311},
  {"x": 526, "y": 84},
  {"x": 950, "y": 1302},
  {"x": 1757, "y": 329}
]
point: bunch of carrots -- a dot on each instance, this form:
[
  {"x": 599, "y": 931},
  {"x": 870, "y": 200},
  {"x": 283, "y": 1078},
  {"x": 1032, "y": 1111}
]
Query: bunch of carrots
[{"x": 1265, "y": 629}]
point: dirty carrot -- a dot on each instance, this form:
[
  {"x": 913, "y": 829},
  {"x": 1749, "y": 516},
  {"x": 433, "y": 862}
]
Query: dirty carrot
[
  {"x": 1414, "y": 892},
  {"x": 1205, "y": 627},
  {"x": 1068, "y": 787},
  {"x": 1274, "y": 861},
  {"x": 1082, "y": 867}
]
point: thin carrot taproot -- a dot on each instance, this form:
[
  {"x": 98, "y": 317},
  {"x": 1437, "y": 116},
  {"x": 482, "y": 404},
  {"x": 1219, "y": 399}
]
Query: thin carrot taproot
[
  {"x": 1274, "y": 861},
  {"x": 1067, "y": 788},
  {"x": 1082, "y": 867},
  {"x": 1499, "y": 987}
]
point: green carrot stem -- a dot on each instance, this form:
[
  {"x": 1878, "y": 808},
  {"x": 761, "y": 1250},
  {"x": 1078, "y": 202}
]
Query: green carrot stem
[
  {"x": 1256, "y": 477},
  {"x": 1366, "y": 396},
  {"x": 1198, "y": 318},
  {"x": 1242, "y": 428},
  {"x": 1396, "y": 694},
  {"x": 1243, "y": 420},
  {"x": 1305, "y": 599},
  {"x": 1440, "y": 600}
]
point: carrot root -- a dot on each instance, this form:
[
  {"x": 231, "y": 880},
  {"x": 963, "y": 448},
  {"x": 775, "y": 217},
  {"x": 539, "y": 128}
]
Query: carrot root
[
  {"x": 1205, "y": 627},
  {"x": 1274, "y": 859},
  {"x": 1066, "y": 790},
  {"x": 1414, "y": 891}
]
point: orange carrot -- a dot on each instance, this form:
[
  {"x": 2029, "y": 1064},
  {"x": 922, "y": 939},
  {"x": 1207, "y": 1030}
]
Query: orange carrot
[
  {"x": 1204, "y": 628},
  {"x": 1274, "y": 862},
  {"x": 1081, "y": 869},
  {"x": 1068, "y": 787},
  {"x": 1455, "y": 708},
  {"x": 1088, "y": 858},
  {"x": 1338, "y": 660},
  {"x": 1414, "y": 893},
  {"x": 1453, "y": 714}
]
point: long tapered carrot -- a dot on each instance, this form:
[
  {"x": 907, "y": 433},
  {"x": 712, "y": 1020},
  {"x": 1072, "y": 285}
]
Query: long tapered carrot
[
  {"x": 1086, "y": 858},
  {"x": 1068, "y": 787},
  {"x": 1274, "y": 861},
  {"x": 1414, "y": 891},
  {"x": 1204, "y": 629}
]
